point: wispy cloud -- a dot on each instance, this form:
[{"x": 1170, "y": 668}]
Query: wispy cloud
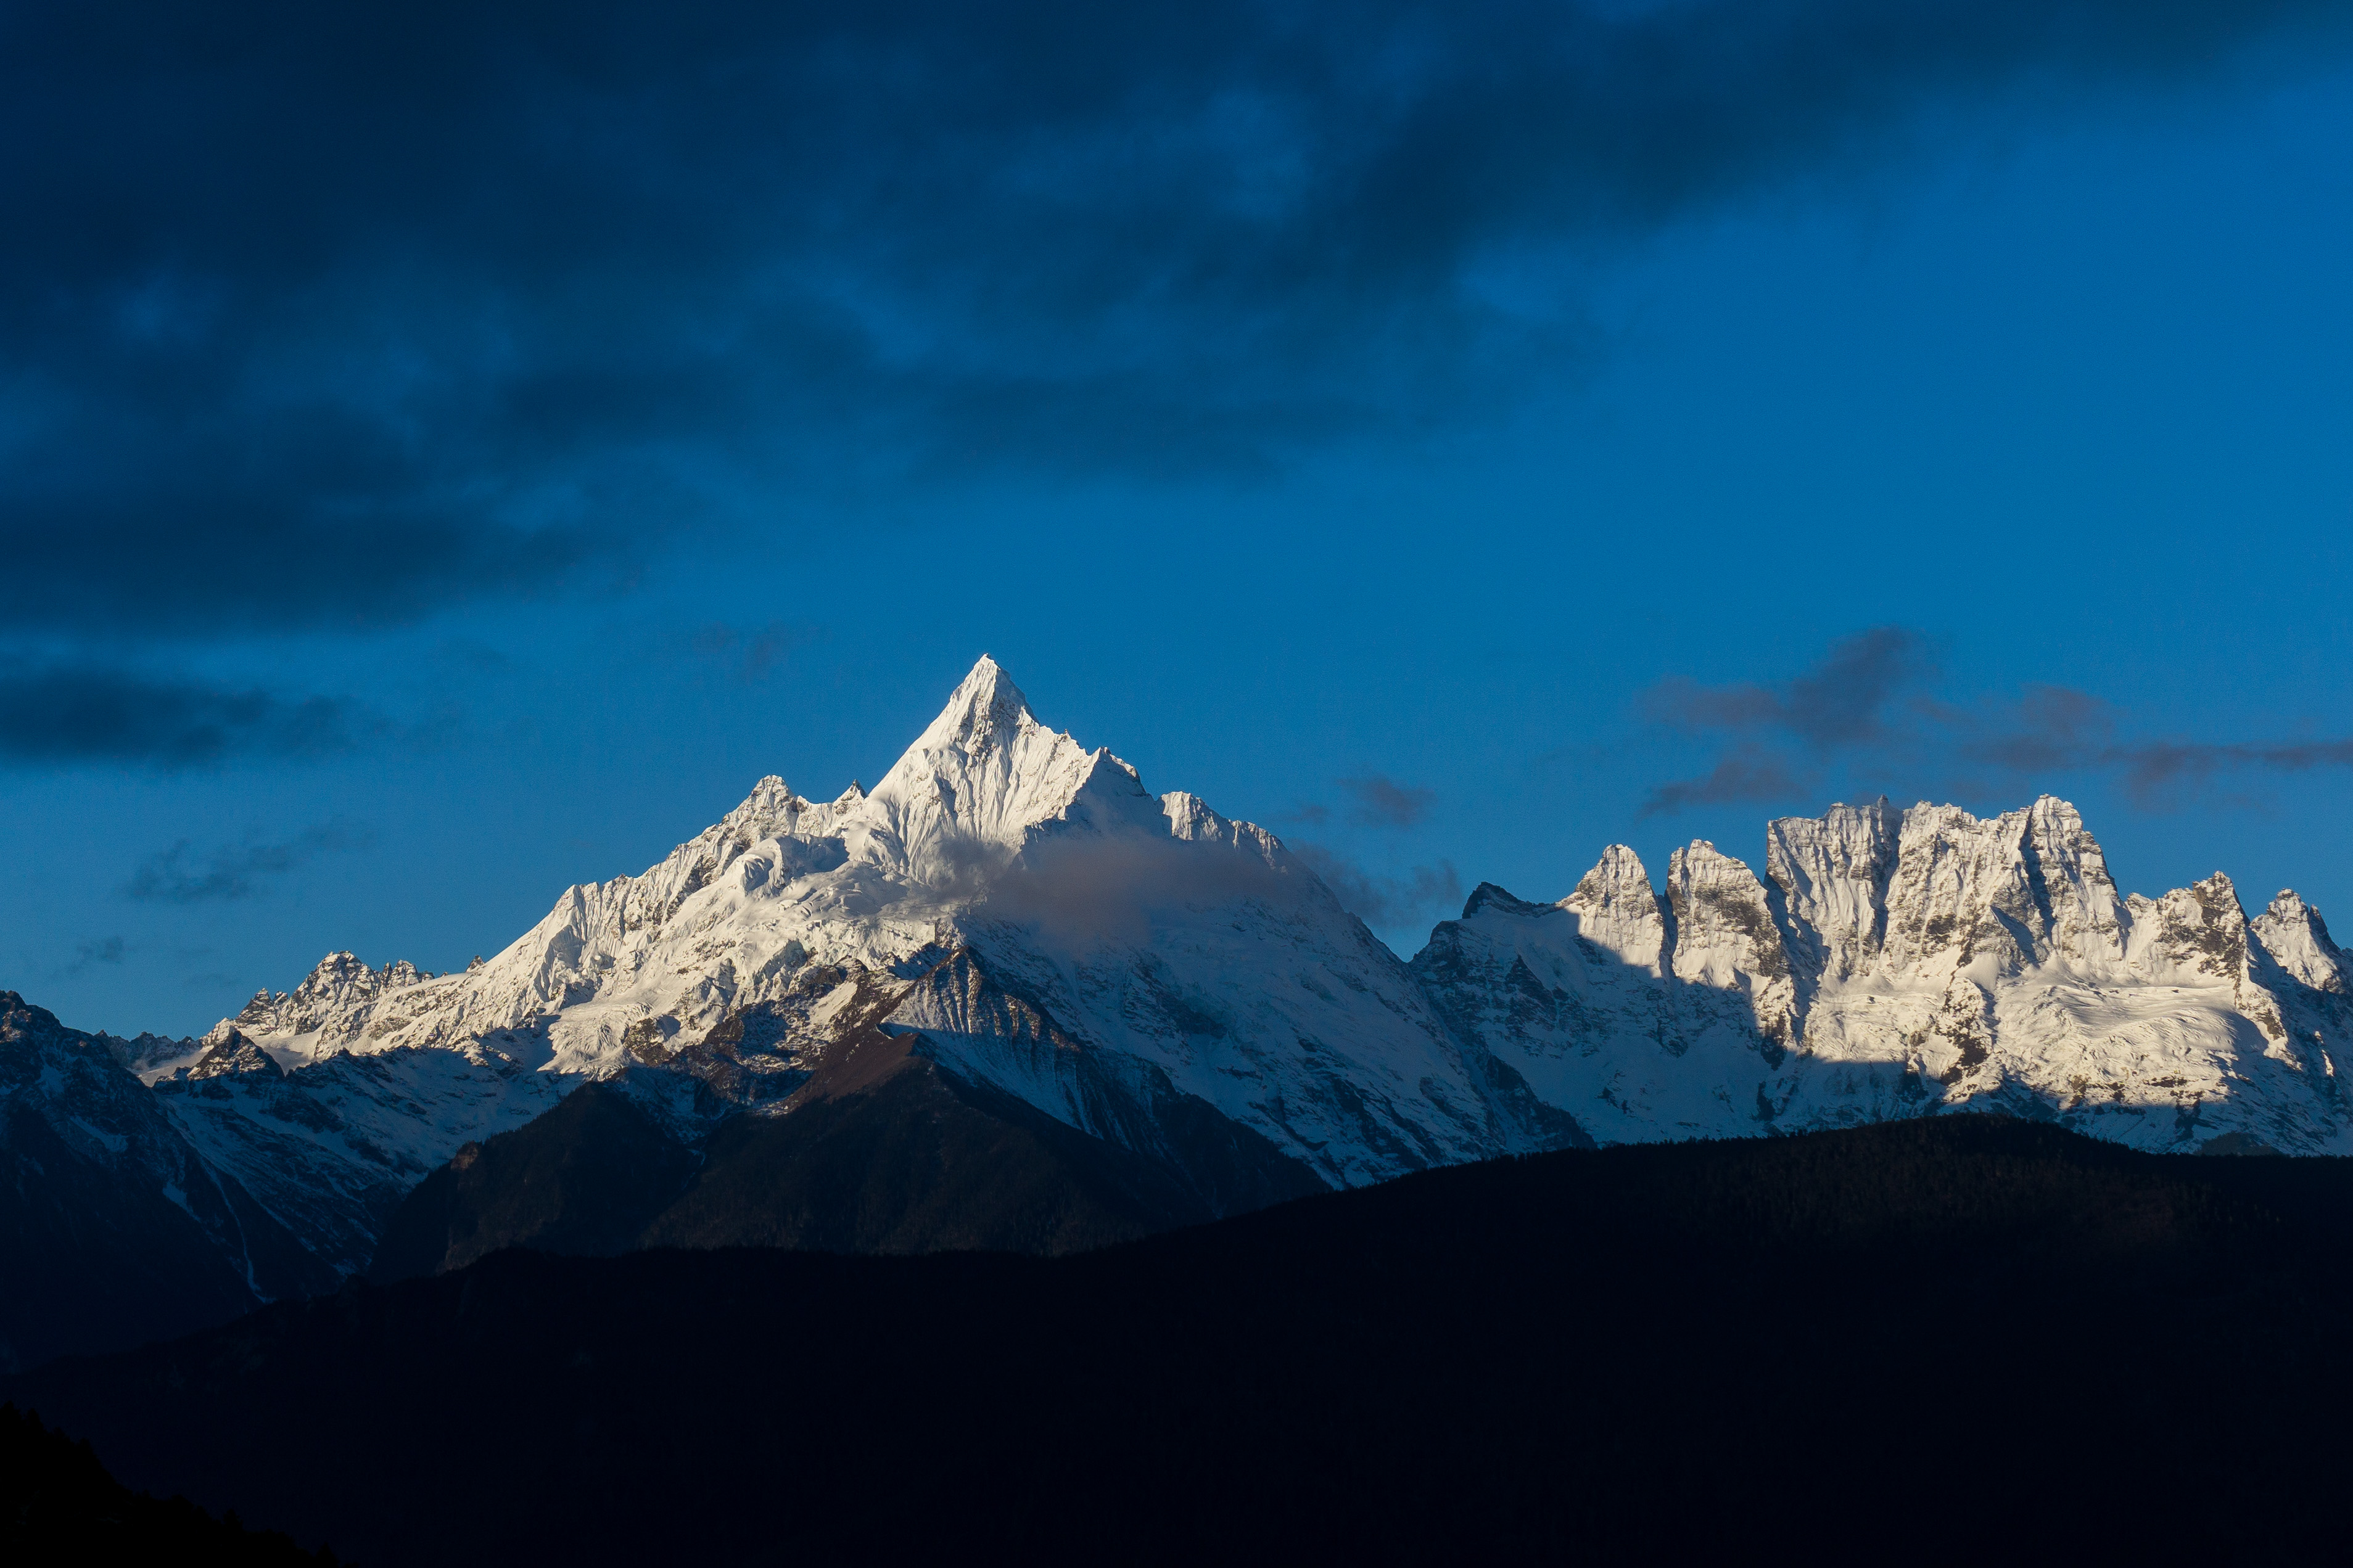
[
  {"x": 105, "y": 950},
  {"x": 1375, "y": 800},
  {"x": 1380, "y": 900},
  {"x": 1745, "y": 773},
  {"x": 1867, "y": 704},
  {"x": 1085, "y": 891},
  {"x": 1384, "y": 803},
  {"x": 752, "y": 654},
  {"x": 1841, "y": 701},
  {"x": 179, "y": 876},
  {"x": 2153, "y": 767}
]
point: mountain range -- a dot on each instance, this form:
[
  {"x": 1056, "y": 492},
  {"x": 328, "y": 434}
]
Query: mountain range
[{"x": 1010, "y": 999}]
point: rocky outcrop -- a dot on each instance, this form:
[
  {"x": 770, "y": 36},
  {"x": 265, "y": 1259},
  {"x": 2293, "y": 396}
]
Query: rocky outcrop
[
  {"x": 1725, "y": 941},
  {"x": 1907, "y": 962},
  {"x": 339, "y": 986}
]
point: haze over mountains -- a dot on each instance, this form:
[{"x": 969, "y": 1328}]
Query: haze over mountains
[{"x": 1009, "y": 998}]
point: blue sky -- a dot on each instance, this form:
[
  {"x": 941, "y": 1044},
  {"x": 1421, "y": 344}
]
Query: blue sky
[{"x": 1457, "y": 440}]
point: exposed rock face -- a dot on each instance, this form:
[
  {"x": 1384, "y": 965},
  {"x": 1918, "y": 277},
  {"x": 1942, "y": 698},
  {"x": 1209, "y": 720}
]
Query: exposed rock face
[
  {"x": 226, "y": 1050},
  {"x": 1908, "y": 962},
  {"x": 340, "y": 984},
  {"x": 1725, "y": 938},
  {"x": 2293, "y": 935}
]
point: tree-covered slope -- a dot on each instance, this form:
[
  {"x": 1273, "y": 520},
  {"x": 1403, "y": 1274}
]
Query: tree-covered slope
[{"x": 1947, "y": 1339}]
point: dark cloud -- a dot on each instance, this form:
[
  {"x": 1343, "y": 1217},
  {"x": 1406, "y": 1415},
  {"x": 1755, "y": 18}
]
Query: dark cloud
[
  {"x": 333, "y": 314},
  {"x": 175, "y": 876},
  {"x": 1840, "y": 702},
  {"x": 1385, "y": 803},
  {"x": 70, "y": 712},
  {"x": 1777, "y": 738},
  {"x": 99, "y": 949},
  {"x": 2047, "y": 727},
  {"x": 1380, "y": 900},
  {"x": 752, "y": 655},
  {"x": 1743, "y": 774},
  {"x": 2154, "y": 768},
  {"x": 1864, "y": 707}
]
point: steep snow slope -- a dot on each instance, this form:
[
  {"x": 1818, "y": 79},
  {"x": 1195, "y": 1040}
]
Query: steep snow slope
[
  {"x": 1903, "y": 961},
  {"x": 1026, "y": 919},
  {"x": 1644, "y": 1016},
  {"x": 1044, "y": 925}
]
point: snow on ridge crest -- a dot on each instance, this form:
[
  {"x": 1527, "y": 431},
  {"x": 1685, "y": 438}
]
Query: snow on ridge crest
[
  {"x": 1881, "y": 962},
  {"x": 1616, "y": 907},
  {"x": 725, "y": 918},
  {"x": 1164, "y": 950},
  {"x": 981, "y": 778},
  {"x": 1900, "y": 962},
  {"x": 2294, "y": 936},
  {"x": 339, "y": 982}
]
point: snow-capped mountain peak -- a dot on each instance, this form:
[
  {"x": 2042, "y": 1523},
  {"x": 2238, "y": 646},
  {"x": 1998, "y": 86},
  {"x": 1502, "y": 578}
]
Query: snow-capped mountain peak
[
  {"x": 339, "y": 983},
  {"x": 1014, "y": 910},
  {"x": 979, "y": 779},
  {"x": 2296, "y": 938},
  {"x": 1002, "y": 889},
  {"x": 1617, "y": 909}
]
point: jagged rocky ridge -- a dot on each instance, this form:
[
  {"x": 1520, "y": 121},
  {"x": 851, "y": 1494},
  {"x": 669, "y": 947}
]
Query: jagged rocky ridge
[
  {"x": 1012, "y": 920},
  {"x": 1895, "y": 962}
]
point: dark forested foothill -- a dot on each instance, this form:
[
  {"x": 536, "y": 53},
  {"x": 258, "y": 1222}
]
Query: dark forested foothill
[
  {"x": 58, "y": 1504},
  {"x": 113, "y": 1228},
  {"x": 1963, "y": 1339},
  {"x": 910, "y": 1159}
]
